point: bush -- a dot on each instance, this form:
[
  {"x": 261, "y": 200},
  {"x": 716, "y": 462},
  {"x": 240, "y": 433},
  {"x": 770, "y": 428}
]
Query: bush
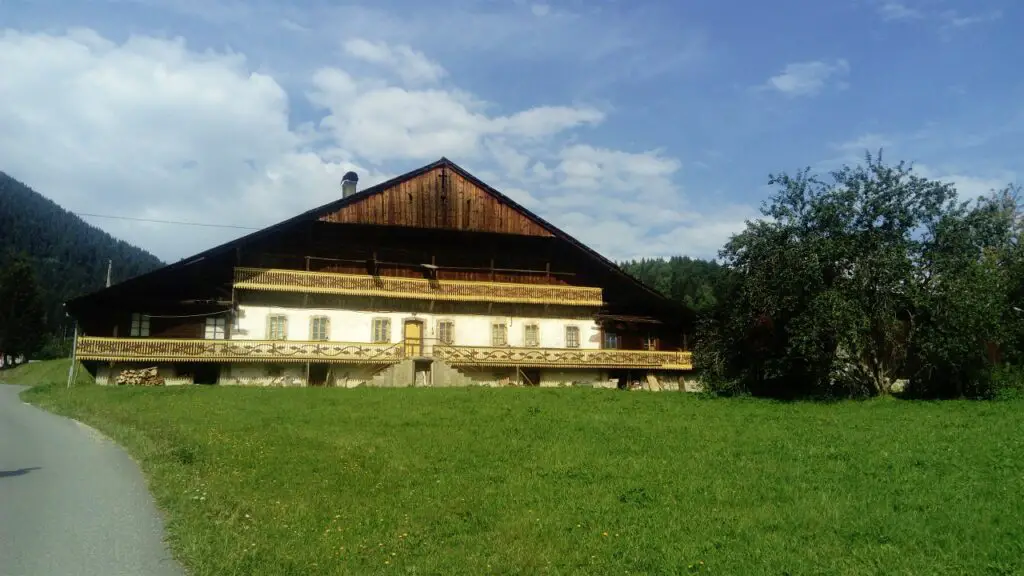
[{"x": 1006, "y": 382}]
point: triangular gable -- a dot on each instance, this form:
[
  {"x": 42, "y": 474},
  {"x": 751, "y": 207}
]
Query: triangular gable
[
  {"x": 440, "y": 196},
  {"x": 420, "y": 198}
]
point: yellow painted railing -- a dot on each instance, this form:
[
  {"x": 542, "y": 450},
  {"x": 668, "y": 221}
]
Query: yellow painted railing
[
  {"x": 181, "y": 350},
  {"x": 395, "y": 287},
  {"x": 187, "y": 350},
  {"x": 563, "y": 358}
]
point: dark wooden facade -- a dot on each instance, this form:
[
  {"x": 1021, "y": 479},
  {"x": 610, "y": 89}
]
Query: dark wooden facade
[{"x": 439, "y": 198}]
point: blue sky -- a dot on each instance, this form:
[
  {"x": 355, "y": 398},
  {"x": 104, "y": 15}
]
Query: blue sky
[{"x": 642, "y": 128}]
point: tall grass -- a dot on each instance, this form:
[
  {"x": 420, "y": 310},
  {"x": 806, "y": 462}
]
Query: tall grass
[
  {"x": 526, "y": 481},
  {"x": 44, "y": 372}
]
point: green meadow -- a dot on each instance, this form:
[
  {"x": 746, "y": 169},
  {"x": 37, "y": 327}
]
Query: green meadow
[{"x": 568, "y": 481}]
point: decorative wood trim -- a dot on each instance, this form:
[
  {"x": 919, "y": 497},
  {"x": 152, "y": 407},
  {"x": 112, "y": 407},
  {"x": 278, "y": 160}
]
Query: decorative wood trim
[
  {"x": 188, "y": 350},
  {"x": 563, "y": 358},
  {"x": 277, "y": 280}
]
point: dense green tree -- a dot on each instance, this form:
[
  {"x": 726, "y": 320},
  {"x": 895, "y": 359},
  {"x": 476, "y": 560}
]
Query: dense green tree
[
  {"x": 691, "y": 281},
  {"x": 857, "y": 279},
  {"x": 21, "y": 309}
]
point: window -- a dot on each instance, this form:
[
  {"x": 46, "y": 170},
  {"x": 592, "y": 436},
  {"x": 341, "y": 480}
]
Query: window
[
  {"x": 611, "y": 341},
  {"x": 216, "y": 328},
  {"x": 446, "y": 332},
  {"x": 319, "y": 328},
  {"x": 277, "y": 327},
  {"x": 572, "y": 336},
  {"x": 650, "y": 343},
  {"x": 531, "y": 335},
  {"x": 499, "y": 334},
  {"x": 381, "y": 330},
  {"x": 140, "y": 326}
]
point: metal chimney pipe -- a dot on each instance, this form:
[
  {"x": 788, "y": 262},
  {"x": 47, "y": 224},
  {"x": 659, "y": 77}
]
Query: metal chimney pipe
[{"x": 349, "y": 182}]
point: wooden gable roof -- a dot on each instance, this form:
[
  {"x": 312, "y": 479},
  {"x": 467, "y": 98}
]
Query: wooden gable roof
[{"x": 441, "y": 195}]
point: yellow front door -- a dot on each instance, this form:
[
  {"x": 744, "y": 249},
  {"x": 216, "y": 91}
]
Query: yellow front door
[{"x": 413, "y": 336}]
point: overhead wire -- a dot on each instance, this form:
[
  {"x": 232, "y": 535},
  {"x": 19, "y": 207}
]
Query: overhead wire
[{"x": 158, "y": 221}]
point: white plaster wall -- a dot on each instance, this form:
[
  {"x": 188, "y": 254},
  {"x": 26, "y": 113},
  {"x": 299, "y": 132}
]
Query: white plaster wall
[{"x": 357, "y": 326}]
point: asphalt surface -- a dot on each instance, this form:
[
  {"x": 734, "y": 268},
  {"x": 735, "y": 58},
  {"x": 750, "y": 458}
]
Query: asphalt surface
[{"x": 72, "y": 502}]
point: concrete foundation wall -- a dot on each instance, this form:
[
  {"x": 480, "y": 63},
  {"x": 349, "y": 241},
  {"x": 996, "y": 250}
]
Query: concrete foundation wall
[
  {"x": 263, "y": 375},
  {"x": 406, "y": 374}
]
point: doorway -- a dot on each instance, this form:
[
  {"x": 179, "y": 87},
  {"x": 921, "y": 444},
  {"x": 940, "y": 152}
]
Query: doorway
[
  {"x": 206, "y": 373},
  {"x": 319, "y": 374},
  {"x": 531, "y": 376},
  {"x": 412, "y": 334}
]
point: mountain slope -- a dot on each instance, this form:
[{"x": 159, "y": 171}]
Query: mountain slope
[{"x": 68, "y": 255}]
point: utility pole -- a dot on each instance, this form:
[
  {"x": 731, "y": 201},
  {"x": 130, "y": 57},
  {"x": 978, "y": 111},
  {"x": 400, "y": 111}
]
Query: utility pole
[{"x": 110, "y": 264}]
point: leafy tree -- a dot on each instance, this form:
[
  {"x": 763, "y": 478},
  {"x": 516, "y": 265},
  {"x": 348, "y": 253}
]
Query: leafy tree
[
  {"x": 21, "y": 309},
  {"x": 857, "y": 279},
  {"x": 965, "y": 320}
]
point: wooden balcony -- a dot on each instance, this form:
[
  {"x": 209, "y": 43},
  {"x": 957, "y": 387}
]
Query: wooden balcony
[
  {"x": 276, "y": 280},
  {"x": 563, "y": 358},
  {"x": 167, "y": 350},
  {"x": 274, "y": 351}
]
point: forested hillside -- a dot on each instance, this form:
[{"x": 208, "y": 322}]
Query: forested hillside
[
  {"x": 692, "y": 281},
  {"x": 69, "y": 256}
]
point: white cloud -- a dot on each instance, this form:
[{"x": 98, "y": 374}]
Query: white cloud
[
  {"x": 540, "y": 9},
  {"x": 807, "y": 78},
  {"x": 856, "y": 148},
  {"x": 149, "y": 128},
  {"x": 947, "y": 20},
  {"x": 411, "y": 66},
  {"x": 953, "y": 19},
  {"x": 293, "y": 26},
  {"x": 968, "y": 186},
  {"x": 970, "y": 182},
  {"x": 898, "y": 11},
  {"x": 389, "y": 122}
]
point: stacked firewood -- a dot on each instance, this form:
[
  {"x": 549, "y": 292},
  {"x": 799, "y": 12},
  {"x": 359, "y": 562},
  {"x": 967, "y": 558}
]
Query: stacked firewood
[{"x": 143, "y": 377}]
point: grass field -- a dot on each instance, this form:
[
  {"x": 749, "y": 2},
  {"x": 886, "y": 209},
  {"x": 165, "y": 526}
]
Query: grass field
[
  {"x": 527, "y": 481},
  {"x": 45, "y": 372}
]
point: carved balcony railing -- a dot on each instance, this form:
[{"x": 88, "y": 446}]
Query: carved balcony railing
[
  {"x": 396, "y": 287},
  {"x": 185, "y": 350},
  {"x": 562, "y": 358},
  {"x": 175, "y": 350}
]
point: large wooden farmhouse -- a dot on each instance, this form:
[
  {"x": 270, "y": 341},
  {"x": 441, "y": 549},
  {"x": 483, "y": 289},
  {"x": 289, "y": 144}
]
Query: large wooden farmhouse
[{"x": 430, "y": 279}]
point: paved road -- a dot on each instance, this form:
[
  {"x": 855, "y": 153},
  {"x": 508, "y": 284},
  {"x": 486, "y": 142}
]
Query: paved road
[{"x": 71, "y": 501}]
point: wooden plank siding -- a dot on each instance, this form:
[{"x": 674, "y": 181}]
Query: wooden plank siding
[{"x": 438, "y": 199}]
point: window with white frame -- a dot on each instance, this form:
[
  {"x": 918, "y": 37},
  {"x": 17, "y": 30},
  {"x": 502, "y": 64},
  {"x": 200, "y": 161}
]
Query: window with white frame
[
  {"x": 319, "y": 328},
  {"x": 446, "y": 331},
  {"x": 650, "y": 343},
  {"x": 381, "y": 330},
  {"x": 572, "y": 336},
  {"x": 140, "y": 326},
  {"x": 531, "y": 335},
  {"x": 216, "y": 328},
  {"x": 277, "y": 327},
  {"x": 499, "y": 334}
]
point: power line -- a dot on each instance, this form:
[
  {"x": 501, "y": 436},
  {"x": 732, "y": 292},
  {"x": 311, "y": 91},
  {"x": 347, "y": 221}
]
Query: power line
[{"x": 156, "y": 221}]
